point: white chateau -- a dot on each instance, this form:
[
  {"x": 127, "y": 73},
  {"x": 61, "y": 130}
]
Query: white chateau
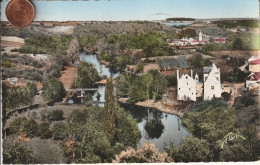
[
  {"x": 189, "y": 88},
  {"x": 186, "y": 87}
]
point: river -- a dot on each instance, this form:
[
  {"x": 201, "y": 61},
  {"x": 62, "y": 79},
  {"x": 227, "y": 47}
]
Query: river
[
  {"x": 155, "y": 126},
  {"x": 177, "y": 23}
]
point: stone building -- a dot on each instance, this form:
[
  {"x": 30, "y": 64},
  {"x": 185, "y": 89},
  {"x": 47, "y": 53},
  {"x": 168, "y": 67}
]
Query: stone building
[
  {"x": 189, "y": 87},
  {"x": 186, "y": 87},
  {"x": 212, "y": 84}
]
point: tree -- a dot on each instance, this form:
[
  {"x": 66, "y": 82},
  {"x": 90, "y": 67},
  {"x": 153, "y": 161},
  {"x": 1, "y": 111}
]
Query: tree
[
  {"x": 226, "y": 96},
  {"x": 53, "y": 90},
  {"x": 188, "y": 32},
  {"x": 212, "y": 122},
  {"x": 19, "y": 155},
  {"x": 87, "y": 76},
  {"x": 191, "y": 150},
  {"x": 197, "y": 61},
  {"x": 109, "y": 117},
  {"x": 128, "y": 132},
  {"x": 238, "y": 44},
  {"x": 242, "y": 149}
]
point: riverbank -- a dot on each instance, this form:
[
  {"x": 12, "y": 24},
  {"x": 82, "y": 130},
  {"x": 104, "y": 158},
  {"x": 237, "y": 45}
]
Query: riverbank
[{"x": 159, "y": 105}]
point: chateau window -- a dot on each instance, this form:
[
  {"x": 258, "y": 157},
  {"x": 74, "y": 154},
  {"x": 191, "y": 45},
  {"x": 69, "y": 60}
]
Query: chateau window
[
  {"x": 179, "y": 88},
  {"x": 212, "y": 87},
  {"x": 187, "y": 83},
  {"x": 189, "y": 89},
  {"x": 192, "y": 93},
  {"x": 186, "y": 77}
]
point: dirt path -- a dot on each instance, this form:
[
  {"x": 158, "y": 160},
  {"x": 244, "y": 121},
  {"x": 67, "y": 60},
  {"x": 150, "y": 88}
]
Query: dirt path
[
  {"x": 236, "y": 87},
  {"x": 68, "y": 76}
]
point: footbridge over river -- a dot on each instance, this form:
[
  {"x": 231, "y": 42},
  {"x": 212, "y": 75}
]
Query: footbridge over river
[{"x": 82, "y": 91}]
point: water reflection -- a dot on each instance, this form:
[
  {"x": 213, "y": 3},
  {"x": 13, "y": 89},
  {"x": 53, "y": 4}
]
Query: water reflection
[{"x": 156, "y": 126}]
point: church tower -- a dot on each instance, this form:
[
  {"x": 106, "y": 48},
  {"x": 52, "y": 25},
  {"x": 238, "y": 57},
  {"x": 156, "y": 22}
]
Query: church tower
[{"x": 200, "y": 36}]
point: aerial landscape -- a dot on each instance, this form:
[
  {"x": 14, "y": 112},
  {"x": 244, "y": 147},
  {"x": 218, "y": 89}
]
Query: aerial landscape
[{"x": 169, "y": 88}]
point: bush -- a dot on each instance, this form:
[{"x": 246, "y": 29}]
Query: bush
[
  {"x": 15, "y": 97},
  {"x": 7, "y": 64},
  {"x": 89, "y": 98},
  {"x": 56, "y": 115},
  {"x": 106, "y": 57},
  {"x": 19, "y": 155},
  {"x": 50, "y": 45},
  {"x": 26, "y": 73},
  {"x": 60, "y": 131},
  {"x": 139, "y": 68},
  {"x": 147, "y": 153},
  {"x": 191, "y": 150},
  {"x": 22, "y": 126},
  {"x": 44, "y": 131}
]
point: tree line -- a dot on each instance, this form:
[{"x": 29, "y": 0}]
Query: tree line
[
  {"x": 212, "y": 123},
  {"x": 150, "y": 86}
]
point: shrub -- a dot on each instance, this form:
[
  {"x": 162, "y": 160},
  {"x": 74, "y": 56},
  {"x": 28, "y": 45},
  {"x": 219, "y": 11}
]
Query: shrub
[
  {"x": 147, "y": 153},
  {"x": 106, "y": 57},
  {"x": 89, "y": 98},
  {"x": 56, "y": 115},
  {"x": 191, "y": 150},
  {"x": 44, "y": 131},
  {"x": 7, "y": 64},
  {"x": 24, "y": 126},
  {"x": 19, "y": 155},
  {"x": 139, "y": 68},
  {"x": 60, "y": 131}
]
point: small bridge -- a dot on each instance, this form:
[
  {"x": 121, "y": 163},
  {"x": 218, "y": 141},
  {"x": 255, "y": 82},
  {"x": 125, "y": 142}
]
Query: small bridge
[
  {"x": 83, "y": 92},
  {"x": 83, "y": 89}
]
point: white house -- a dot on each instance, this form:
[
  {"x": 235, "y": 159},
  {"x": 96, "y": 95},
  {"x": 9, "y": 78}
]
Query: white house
[
  {"x": 189, "y": 88},
  {"x": 212, "y": 84},
  {"x": 253, "y": 80},
  {"x": 186, "y": 87}
]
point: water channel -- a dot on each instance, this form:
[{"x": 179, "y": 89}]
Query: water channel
[
  {"x": 155, "y": 126},
  {"x": 177, "y": 23}
]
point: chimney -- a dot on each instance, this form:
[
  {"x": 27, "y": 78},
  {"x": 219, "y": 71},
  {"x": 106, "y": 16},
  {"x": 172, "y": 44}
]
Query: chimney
[
  {"x": 191, "y": 73},
  {"x": 177, "y": 74}
]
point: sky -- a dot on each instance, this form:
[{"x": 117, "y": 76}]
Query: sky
[{"x": 124, "y": 10}]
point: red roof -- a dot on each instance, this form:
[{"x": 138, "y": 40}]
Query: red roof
[
  {"x": 255, "y": 62},
  {"x": 255, "y": 76}
]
